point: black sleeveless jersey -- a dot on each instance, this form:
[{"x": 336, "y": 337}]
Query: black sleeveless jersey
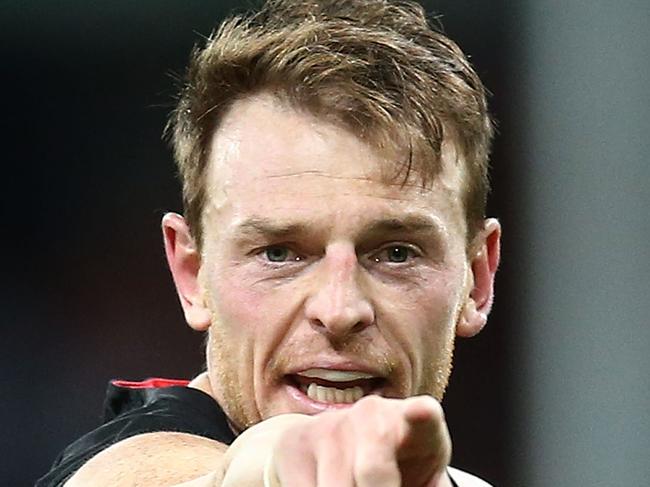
[{"x": 133, "y": 408}]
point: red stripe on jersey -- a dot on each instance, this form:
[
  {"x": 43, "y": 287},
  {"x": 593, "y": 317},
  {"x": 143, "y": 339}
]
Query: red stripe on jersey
[{"x": 155, "y": 382}]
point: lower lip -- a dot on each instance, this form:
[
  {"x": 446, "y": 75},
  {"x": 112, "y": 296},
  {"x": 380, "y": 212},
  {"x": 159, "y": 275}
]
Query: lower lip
[{"x": 308, "y": 405}]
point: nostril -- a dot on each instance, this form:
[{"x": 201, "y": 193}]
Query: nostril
[
  {"x": 338, "y": 310},
  {"x": 339, "y": 327},
  {"x": 316, "y": 323},
  {"x": 360, "y": 326}
]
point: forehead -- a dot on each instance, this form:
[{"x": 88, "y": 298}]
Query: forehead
[{"x": 266, "y": 147}]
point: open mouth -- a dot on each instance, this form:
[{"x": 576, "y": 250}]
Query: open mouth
[{"x": 335, "y": 386}]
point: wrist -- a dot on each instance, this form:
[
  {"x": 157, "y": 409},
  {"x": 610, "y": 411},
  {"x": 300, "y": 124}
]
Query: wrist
[{"x": 249, "y": 460}]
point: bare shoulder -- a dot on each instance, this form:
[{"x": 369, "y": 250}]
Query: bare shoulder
[
  {"x": 162, "y": 458},
  {"x": 464, "y": 479}
]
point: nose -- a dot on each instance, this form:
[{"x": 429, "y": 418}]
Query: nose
[{"x": 338, "y": 306}]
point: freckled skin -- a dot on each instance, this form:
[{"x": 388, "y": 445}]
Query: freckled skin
[{"x": 271, "y": 162}]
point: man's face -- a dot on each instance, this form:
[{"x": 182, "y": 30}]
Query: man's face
[{"x": 324, "y": 281}]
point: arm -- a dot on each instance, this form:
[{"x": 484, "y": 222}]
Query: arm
[
  {"x": 152, "y": 459},
  {"x": 183, "y": 460},
  {"x": 377, "y": 442}
]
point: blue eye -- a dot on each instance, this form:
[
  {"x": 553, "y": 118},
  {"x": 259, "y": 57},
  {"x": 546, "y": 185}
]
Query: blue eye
[
  {"x": 276, "y": 254},
  {"x": 280, "y": 254},
  {"x": 398, "y": 253},
  {"x": 395, "y": 254}
]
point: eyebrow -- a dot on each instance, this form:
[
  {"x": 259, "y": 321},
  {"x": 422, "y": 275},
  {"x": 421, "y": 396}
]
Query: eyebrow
[
  {"x": 271, "y": 228},
  {"x": 410, "y": 224}
]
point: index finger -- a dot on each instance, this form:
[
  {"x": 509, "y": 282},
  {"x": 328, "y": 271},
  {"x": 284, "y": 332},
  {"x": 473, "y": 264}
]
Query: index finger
[{"x": 426, "y": 434}]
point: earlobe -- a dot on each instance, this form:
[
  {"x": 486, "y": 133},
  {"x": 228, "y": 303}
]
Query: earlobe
[
  {"x": 471, "y": 320},
  {"x": 184, "y": 263},
  {"x": 484, "y": 264}
]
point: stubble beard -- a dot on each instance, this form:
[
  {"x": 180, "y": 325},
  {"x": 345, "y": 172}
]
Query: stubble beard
[
  {"x": 222, "y": 356},
  {"x": 436, "y": 379}
]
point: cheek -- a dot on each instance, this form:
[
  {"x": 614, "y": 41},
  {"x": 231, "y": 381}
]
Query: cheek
[
  {"x": 237, "y": 307},
  {"x": 428, "y": 306},
  {"x": 423, "y": 317},
  {"x": 425, "y": 329},
  {"x": 252, "y": 313}
]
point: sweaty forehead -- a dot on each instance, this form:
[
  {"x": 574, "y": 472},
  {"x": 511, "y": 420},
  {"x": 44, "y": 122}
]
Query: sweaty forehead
[
  {"x": 261, "y": 137},
  {"x": 264, "y": 144}
]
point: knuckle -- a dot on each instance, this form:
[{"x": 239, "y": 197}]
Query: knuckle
[
  {"x": 368, "y": 405},
  {"x": 375, "y": 420},
  {"x": 294, "y": 437},
  {"x": 323, "y": 430}
]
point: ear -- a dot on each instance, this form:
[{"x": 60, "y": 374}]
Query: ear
[
  {"x": 185, "y": 262},
  {"x": 484, "y": 264}
]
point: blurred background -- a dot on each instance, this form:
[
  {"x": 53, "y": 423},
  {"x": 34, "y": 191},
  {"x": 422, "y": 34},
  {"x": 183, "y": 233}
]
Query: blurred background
[{"x": 555, "y": 391}]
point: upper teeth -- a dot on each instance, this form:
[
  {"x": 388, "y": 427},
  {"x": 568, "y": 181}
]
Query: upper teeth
[{"x": 336, "y": 375}]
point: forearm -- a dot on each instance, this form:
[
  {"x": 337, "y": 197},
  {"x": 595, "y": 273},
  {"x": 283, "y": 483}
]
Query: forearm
[{"x": 182, "y": 460}]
